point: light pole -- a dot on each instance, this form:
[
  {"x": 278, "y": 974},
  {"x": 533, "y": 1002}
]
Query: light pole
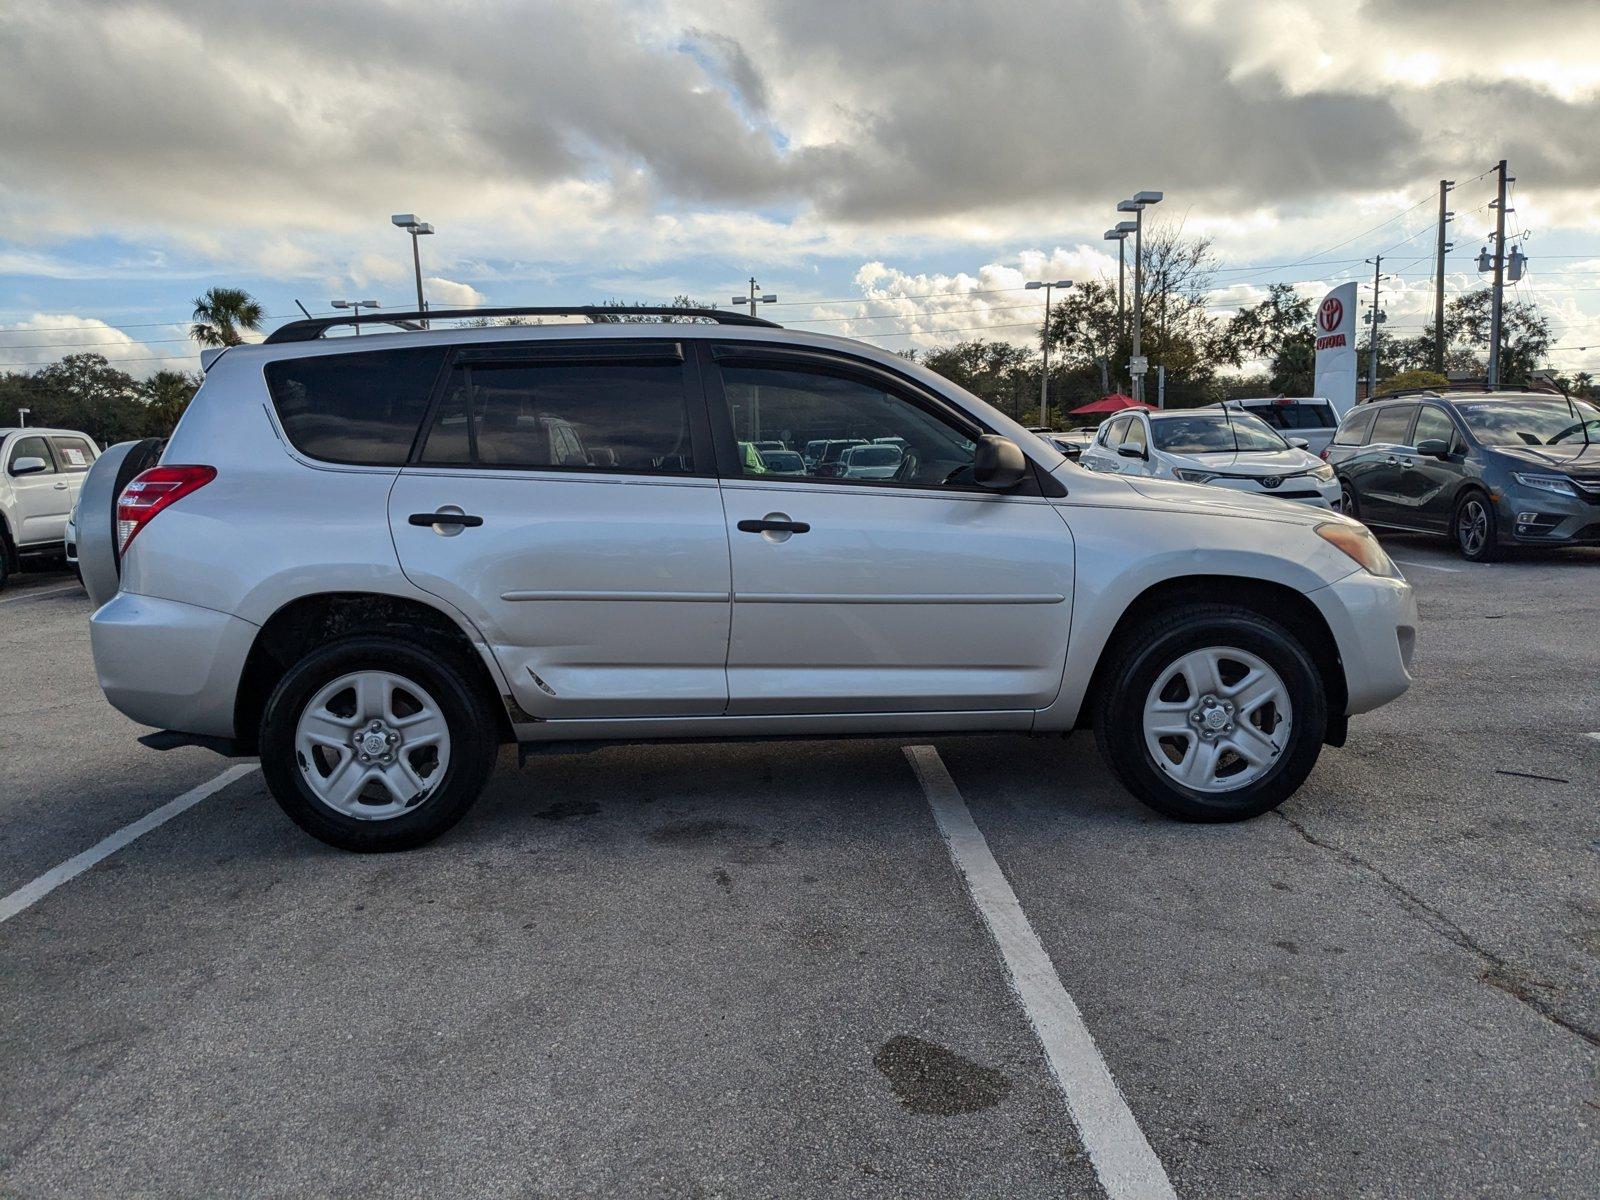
[
  {"x": 22, "y": 417},
  {"x": 1044, "y": 377},
  {"x": 1119, "y": 235},
  {"x": 1140, "y": 201},
  {"x": 355, "y": 307},
  {"x": 416, "y": 228},
  {"x": 755, "y": 298},
  {"x": 1375, "y": 317}
]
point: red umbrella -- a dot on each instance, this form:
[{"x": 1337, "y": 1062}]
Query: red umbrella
[{"x": 1115, "y": 402}]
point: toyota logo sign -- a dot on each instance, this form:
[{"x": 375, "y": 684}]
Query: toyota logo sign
[{"x": 1330, "y": 315}]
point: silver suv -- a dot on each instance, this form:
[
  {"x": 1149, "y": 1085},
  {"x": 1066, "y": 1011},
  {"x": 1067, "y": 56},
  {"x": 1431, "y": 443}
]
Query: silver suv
[
  {"x": 373, "y": 562},
  {"x": 41, "y": 472}
]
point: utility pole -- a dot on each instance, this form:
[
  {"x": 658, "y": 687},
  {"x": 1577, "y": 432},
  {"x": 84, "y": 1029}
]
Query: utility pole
[
  {"x": 1497, "y": 297},
  {"x": 1376, "y": 318},
  {"x": 755, "y": 297},
  {"x": 1445, "y": 186},
  {"x": 1044, "y": 378}
]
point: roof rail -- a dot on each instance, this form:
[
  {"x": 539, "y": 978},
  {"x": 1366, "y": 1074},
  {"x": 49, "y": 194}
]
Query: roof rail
[
  {"x": 313, "y": 328},
  {"x": 1398, "y": 392}
]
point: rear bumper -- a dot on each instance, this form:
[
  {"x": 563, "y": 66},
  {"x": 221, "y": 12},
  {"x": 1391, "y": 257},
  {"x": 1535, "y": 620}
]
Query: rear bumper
[
  {"x": 171, "y": 665},
  {"x": 1374, "y": 622}
]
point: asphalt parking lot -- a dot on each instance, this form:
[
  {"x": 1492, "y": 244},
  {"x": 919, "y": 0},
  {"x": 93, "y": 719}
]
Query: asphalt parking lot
[{"x": 753, "y": 969}]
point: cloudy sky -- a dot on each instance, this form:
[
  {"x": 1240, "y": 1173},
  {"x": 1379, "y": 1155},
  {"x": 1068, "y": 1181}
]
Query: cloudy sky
[{"x": 892, "y": 170}]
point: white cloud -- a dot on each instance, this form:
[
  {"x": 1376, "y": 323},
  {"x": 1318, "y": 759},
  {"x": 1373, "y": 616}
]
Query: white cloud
[
  {"x": 449, "y": 292},
  {"x": 45, "y": 337}
]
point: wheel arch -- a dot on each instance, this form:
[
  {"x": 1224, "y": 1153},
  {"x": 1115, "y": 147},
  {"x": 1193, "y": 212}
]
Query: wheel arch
[
  {"x": 1275, "y": 601},
  {"x": 303, "y": 624}
]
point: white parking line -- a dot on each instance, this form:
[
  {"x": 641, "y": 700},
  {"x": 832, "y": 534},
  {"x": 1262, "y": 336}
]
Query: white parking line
[
  {"x": 1126, "y": 1165},
  {"x": 55, "y": 591},
  {"x": 1406, "y": 562},
  {"x": 38, "y": 889}
]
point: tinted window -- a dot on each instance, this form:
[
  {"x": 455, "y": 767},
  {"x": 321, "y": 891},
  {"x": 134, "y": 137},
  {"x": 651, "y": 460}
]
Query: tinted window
[
  {"x": 565, "y": 413},
  {"x": 1297, "y": 415},
  {"x": 1134, "y": 436},
  {"x": 1355, "y": 428},
  {"x": 1532, "y": 422},
  {"x": 31, "y": 447},
  {"x": 74, "y": 454},
  {"x": 354, "y": 408},
  {"x": 1433, "y": 422},
  {"x": 1390, "y": 426},
  {"x": 794, "y": 405},
  {"x": 1111, "y": 432}
]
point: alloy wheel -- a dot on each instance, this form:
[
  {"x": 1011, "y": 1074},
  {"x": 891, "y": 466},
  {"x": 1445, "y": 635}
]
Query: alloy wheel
[{"x": 1472, "y": 527}]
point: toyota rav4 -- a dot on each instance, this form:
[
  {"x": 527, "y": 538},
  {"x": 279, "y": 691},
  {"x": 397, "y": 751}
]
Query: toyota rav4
[{"x": 373, "y": 562}]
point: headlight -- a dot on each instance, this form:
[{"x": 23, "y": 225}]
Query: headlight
[
  {"x": 1559, "y": 484},
  {"x": 1322, "y": 474},
  {"x": 1357, "y": 541},
  {"x": 1191, "y": 476}
]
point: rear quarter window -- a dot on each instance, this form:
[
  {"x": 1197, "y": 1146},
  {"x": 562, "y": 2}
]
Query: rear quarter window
[
  {"x": 1355, "y": 429},
  {"x": 363, "y": 408}
]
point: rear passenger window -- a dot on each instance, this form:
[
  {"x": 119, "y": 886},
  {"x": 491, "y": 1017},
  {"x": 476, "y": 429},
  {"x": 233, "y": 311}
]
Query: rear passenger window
[
  {"x": 74, "y": 454},
  {"x": 1392, "y": 424},
  {"x": 355, "y": 408},
  {"x": 1355, "y": 429},
  {"x": 566, "y": 412}
]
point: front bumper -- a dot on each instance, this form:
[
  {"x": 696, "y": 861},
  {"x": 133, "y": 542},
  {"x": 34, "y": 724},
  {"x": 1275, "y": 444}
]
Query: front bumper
[
  {"x": 170, "y": 665},
  {"x": 1374, "y": 622},
  {"x": 1303, "y": 488},
  {"x": 1534, "y": 517}
]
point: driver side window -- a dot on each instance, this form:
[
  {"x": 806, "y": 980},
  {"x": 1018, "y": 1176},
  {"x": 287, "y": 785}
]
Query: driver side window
[{"x": 814, "y": 424}]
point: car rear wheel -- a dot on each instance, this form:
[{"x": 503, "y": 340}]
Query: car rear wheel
[
  {"x": 371, "y": 744},
  {"x": 1475, "y": 529},
  {"x": 1212, "y": 713}
]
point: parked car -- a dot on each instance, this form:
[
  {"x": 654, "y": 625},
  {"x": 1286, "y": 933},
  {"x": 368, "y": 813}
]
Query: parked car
[
  {"x": 1215, "y": 446},
  {"x": 783, "y": 462},
  {"x": 1486, "y": 470},
  {"x": 43, "y": 472},
  {"x": 764, "y": 447},
  {"x": 880, "y": 460},
  {"x": 306, "y": 575},
  {"x": 1309, "y": 417},
  {"x": 1072, "y": 442},
  {"x": 829, "y": 453}
]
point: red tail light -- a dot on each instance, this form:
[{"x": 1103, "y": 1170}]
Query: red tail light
[{"x": 152, "y": 491}]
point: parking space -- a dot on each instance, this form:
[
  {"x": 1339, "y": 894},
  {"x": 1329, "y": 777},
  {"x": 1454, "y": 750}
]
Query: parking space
[{"x": 753, "y": 969}]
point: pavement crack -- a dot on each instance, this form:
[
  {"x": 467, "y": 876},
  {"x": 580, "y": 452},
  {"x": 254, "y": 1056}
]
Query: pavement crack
[{"x": 1499, "y": 973}]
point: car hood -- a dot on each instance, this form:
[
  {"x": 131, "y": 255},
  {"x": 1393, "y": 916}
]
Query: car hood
[
  {"x": 1226, "y": 502},
  {"x": 1258, "y": 464},
  {"x": 1579, "y": 459}
]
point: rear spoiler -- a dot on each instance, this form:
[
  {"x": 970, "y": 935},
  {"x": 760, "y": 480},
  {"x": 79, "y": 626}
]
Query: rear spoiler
[{"x": 210, "y": 355}]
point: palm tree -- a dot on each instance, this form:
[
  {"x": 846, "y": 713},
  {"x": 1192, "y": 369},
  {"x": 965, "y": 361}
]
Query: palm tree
[{"x": 222, "y": 313}]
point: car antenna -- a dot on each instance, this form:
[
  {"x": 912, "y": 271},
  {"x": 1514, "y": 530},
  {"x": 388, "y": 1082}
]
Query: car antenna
[{"x": 303, "y": 309}]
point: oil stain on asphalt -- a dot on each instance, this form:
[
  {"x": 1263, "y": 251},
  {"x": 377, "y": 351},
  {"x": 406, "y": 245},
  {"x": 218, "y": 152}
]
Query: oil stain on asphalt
[{"x": 932, "y": 1081}]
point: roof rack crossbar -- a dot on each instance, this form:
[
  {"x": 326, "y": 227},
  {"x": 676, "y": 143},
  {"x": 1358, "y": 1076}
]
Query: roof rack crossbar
[{"x": 309, "y": 330}]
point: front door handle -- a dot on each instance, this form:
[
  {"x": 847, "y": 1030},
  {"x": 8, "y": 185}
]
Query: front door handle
[
  {"x": 445, "y": 517},
  {"x": 768, "y": 525}
]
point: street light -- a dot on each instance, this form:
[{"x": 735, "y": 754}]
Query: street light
[
  {"x": 1140, "y": 201},
  {"x": 22, "y": 417},
  {"x": 755, "y": 298},
  {"x": 1119, "y": 235},
  {"x": 1044, "y": 378},
  {"x": 416, "y": 228},
  {"x": 355, "y": 307}
]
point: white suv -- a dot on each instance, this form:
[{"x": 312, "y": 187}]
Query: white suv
[
  {"x": 41, "y": 472},
  {"x": 372, "y": 562}
]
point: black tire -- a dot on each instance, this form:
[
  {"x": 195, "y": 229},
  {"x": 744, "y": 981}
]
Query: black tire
[
  {"x": 467, "y": 711},
  {"x": 1489, "y": 550},
  {"x": 1349, "y": 504},
  {"x": 1148, "y": 651},
  {"x": 5, "y": 560}
]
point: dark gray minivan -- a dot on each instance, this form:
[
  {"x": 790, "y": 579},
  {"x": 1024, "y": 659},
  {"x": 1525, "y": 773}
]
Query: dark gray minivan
[{"x": 1487, "y": 470}]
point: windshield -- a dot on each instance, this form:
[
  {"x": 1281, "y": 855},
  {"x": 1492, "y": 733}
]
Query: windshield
[
  {"x": 874, "y": 456},
  {"x": 1542, "y": 421},
  {"x": 782, "y": 460},
  {"x": 1206, "y": 433}
]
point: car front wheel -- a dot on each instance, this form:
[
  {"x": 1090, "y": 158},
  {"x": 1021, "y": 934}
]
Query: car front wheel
[
  {"x": 1211, "y": 713},
  {"x": 1475, "y": 528},
  {"x": 371, "y": 744}
]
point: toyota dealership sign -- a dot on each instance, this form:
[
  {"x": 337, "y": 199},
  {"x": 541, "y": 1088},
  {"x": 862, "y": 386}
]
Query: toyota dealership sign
[{"x": 1336, "y": 348}]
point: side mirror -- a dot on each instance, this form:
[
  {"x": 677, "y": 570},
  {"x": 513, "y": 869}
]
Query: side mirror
[
  {"x": 29, "y": 466},
  {"x": 1433, "y": 448},
  {"x": 1300, "y": 443},
  {"x": 1129, "y": 450},
  {"x": 998, "y": 463}
]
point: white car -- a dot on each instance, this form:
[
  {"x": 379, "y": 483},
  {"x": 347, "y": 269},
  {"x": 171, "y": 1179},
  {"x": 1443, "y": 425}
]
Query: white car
[
  {"x": 1217, "y": 446},
  {"x": 356, "y": 560},
  {"x": 1309, "y": 418},
  {"x": 42, "y": 472},
  {"x": 880, "y": 460}
]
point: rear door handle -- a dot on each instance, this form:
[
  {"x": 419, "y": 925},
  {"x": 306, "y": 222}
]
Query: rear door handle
[
  {"x": 766, "y": 525},
  {"x": 466, "y": 520}
]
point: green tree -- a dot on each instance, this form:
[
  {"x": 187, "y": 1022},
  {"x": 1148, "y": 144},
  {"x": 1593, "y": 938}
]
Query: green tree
[
  {"x": 223, "y": 315},
  {"x": 1002, "y": 374},
  {"x": 166, "y": 395},
  {"x": 84, "y": 391},
  {"x": 1278, "y": 331}
]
